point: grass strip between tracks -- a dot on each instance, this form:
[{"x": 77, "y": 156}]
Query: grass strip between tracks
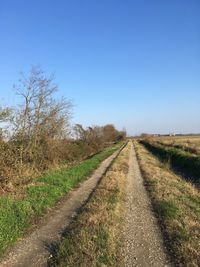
[
  {"x": 17, "y": 214},
  {"x": 94, "y": 238}
]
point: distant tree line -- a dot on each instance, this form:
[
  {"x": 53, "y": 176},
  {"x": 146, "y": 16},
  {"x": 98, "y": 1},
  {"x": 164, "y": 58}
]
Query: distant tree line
[{"x": 37, "y": 135}]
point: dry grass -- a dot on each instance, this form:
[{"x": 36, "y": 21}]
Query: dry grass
[
  {"x": 189, "y": 143},
  {"x": 182, "y": 162},
  {"x": 177, "y": 204},
  {"x": 94, "y": 238},
  {"x": 20, "y": 210}
]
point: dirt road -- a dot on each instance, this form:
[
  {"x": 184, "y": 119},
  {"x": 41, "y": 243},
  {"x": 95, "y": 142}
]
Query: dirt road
[
  {"x": 35, "y": 250},
  {"x": 143, "y": 245}
]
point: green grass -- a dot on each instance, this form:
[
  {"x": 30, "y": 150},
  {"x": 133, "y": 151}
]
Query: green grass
[
  {"x": 114, "y": 196},
  {"x": 16, "y": 214},
  {"x": 183, "y": 146},
  {"x": 187, "y": 163},
  {"x": 166, "y": 209}
]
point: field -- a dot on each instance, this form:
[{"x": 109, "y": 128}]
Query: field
[
  {"x": 181, "y": 154},
  {"x": 188, "y": 143},
  {"x": 145, "y": 187}
]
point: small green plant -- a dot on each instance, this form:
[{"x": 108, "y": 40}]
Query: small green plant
[
  {"x": 150, "y": 185},
  {"x": 181, "y": 234},
  {"x": 166, "y": 209},
  {"x": 113, "y": 198}
]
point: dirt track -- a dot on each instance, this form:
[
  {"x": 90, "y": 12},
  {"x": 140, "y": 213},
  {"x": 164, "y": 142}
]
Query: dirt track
[
  {"x": 35, "y": 249},
  {"x": 143, "y": 245}
]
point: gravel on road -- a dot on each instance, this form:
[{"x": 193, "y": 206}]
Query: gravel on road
[{"x": 143, "y": 244}]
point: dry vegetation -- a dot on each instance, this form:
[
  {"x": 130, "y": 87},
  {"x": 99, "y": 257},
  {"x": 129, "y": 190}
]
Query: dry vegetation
[
  {"x": 19, "y": 212},
  {"x": 181, "y": 161},
  {"x": 36, "y": 135},
  {"x": 177, "y": 205},
  {"x": 188, "y": 143},
  {"x": 94, "y": 239},
  {"x": 42, "y": 157}
]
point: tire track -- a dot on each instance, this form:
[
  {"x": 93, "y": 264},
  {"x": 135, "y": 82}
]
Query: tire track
[
  {"x": 35, "y": 249},
  {"x": 143, "y": 244}
]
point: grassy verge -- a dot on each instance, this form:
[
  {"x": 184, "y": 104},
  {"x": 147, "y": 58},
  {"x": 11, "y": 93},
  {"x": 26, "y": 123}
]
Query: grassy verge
[
  {"x": 94, "y": 237},
  {"x": 187, "y": 146},
  {"x": 188, "y": 163},
  {"x": 177, "y": 205},
  {"x": 16, "y": 214}
]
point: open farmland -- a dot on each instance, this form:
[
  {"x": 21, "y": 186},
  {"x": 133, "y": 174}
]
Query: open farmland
[
  {"x": 188, "y": 143},
  {"x": 180, "y": 159}
]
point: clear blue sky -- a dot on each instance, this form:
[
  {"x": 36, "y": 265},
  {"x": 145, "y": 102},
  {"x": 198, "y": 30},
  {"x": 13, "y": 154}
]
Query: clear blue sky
[{"x": 134, "y": 63}]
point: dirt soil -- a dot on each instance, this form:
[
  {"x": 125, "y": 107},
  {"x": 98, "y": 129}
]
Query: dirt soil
[
  {"x": 35, "y": 249},
  {"x": 142, "y": 240},
  {"x": 143, "y": 244}
]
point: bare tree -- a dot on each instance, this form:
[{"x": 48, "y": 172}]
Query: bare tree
[
  {"x": 40, "y": 117},
  {"x": 5, "y": 118},
  {"x": 5, "y": 114},
  {"x": 80, "y": 132},
  {"x": 40, "y": 130},
  {"x": 110, "y": 133}
]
